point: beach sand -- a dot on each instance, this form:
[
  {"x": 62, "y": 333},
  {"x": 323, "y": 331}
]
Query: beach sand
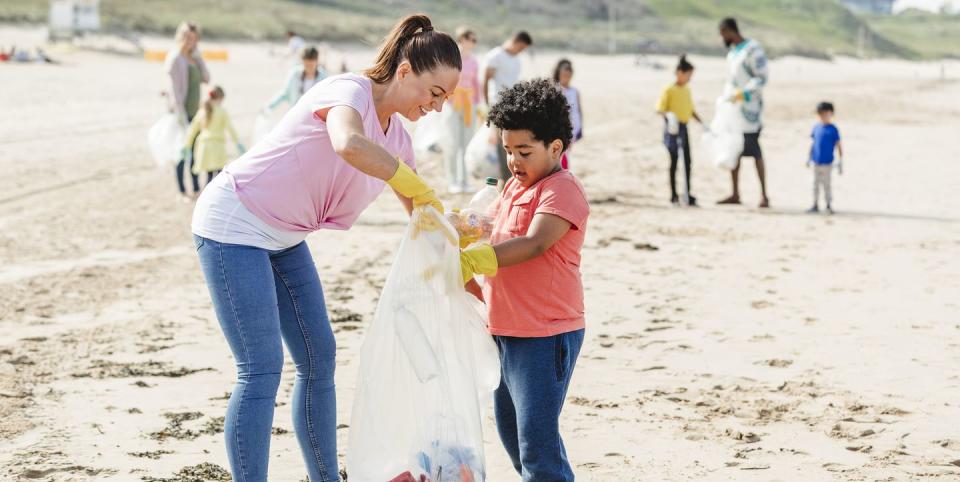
[{"x": 723, "y": 343}]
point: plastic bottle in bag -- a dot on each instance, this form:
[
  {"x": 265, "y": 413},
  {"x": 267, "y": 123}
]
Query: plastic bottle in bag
[
  {"x": 473, "y": 221},
  {"x": 485, "y": 197}
]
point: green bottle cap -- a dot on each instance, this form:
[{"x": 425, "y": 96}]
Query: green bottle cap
[{"x": 492, "y": 181}]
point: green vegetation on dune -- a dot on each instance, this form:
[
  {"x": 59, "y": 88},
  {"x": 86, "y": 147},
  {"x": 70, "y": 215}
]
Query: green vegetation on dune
[
  {"x": 934, "y": 36},
  {"x": 819, "y": 28},
  {"x": 806, "y": 27}
]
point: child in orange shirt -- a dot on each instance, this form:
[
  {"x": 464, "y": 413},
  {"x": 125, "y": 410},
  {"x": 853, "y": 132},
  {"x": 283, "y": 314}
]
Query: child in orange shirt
[{"x": 532, "y": 286}]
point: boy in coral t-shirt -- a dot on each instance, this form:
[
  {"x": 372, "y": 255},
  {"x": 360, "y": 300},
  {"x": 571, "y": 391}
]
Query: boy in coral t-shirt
[{"x": 532, "y": 287}]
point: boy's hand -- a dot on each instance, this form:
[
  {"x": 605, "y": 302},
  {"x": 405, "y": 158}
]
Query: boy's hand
[
  {"x": 478, "y": 260},
  {"x": 737, "y": 96},
  {"x": 474, "y": 289},
  {"x": 840, "y": 166}
]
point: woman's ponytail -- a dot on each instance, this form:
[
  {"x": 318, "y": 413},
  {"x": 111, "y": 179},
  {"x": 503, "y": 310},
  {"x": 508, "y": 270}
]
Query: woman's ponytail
[{"x": 413, "y": 39}]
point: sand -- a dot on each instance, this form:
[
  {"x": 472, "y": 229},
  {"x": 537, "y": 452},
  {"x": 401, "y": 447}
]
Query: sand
[{"x": 723, "y": 343}]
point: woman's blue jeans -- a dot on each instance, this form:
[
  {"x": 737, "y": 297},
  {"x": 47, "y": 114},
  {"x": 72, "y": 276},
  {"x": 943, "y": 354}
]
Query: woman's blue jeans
[{"x": 262, "y": 297}]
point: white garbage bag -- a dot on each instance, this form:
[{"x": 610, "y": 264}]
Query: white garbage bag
[
  {"x": 724, "y": 140},
  {"x": 166, "y": 140},
  {"x": 426, "y": 136},
  {"x": 428, "y": 367},
  {"x": 481, "y": 154}
]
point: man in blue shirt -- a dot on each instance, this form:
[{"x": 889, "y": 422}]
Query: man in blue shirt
[{"x": 826, "y": 138}]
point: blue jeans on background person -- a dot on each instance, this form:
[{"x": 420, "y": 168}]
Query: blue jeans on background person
[
  {"x": 535, "y": 375},
  {"x": 261, "y": 297},
  {"x": 674, "y": 143}
]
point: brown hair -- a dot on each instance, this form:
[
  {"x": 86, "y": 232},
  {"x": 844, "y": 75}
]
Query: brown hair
[
  {"x": 183, "y": 29},
  {"x": 413, "y": 39},
  {"x": 563, "y": 64},
  {"x": 309, "y": 53},
  {"x": 215, "y": 93},
  {"x": 463, "y": 32}
]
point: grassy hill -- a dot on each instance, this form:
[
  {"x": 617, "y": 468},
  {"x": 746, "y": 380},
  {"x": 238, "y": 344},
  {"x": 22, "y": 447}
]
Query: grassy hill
[{"x": 818, "y": 28}]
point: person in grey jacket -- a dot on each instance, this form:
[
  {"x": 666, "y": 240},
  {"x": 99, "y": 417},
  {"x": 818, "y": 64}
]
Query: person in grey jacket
[
  {"x": 187, "y": 71},
  {"x": 300, "y": 79}
]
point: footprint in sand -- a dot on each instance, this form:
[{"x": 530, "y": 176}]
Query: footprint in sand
[{"x": 775, "y": 362}]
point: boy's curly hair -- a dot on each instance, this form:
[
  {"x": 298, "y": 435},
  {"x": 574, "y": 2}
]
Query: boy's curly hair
[{"x": 538, "y": 106}]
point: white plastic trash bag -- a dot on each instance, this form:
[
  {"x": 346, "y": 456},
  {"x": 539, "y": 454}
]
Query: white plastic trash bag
[
  {"x": 481, "y": 154},
  {"x": 426, "y": 135},
  {"x": 428, "y": 367},
  {"x": 166, "y": 140},
  {"x": 724, "y": 140}
]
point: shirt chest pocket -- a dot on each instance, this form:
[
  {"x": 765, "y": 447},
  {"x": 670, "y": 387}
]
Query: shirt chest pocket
[{"x": 521, "y": 214}]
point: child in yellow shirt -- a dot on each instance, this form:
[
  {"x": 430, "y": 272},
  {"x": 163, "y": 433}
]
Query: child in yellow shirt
[
  {"x": 676, "y": 107},
  {"x": 208, "y": 137}
]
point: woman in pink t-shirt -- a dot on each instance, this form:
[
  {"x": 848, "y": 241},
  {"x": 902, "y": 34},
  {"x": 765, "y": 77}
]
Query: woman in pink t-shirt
[{"x": 329, "y": 157}]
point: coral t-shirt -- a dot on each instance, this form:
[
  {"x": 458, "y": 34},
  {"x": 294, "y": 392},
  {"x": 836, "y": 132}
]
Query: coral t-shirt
[{"x": 542, "y": 296}]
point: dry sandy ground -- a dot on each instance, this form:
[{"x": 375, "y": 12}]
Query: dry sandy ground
[{"x": 723, "y": 343}]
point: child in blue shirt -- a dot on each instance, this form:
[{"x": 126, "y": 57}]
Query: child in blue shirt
[{"x": 826, "y": 138}]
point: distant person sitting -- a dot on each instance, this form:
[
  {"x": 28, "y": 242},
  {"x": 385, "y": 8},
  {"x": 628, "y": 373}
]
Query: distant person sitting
[
  {"x": 746, "y": 78},
  {"x": 501, "y": 71},
  {"x": 826, "y": 138},
  {"x": 300, "y": 79}
]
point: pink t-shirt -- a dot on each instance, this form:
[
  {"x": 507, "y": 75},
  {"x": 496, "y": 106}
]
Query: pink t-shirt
[
  {"x": 542, "y": 296},
  {"x": 470, "y": 77},
  {"x": 294, "y": 180}
]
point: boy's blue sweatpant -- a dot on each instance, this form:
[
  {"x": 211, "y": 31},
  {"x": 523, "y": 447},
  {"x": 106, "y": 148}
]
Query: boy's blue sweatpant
[{"x": 535, "y": 374}]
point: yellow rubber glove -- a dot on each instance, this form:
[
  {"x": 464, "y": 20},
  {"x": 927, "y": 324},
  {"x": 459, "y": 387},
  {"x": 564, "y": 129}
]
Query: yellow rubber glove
[
  {"x": 466, "y": 240},
  {"x": 479, "y": 260},
  {"x": 409, "y": 184}
]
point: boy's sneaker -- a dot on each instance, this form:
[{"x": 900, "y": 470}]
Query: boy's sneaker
[
  {"x": 815, "y": 209},
  {"x": 829, "y": 209},
  {"x": 675, "y": 200},
  {"x": 691, "y": 201}
]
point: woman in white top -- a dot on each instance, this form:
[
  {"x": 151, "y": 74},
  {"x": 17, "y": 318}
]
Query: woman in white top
[{"x": 562, "y": 75}]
